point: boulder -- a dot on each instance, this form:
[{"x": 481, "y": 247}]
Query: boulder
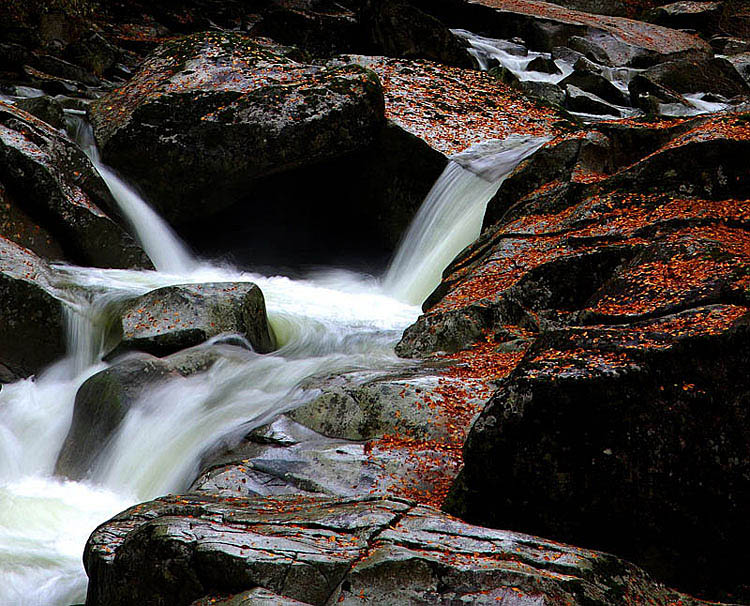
[
  {"x": 577, "y": 100},
  {"x": 177, "y": 549},
  {"x": 32, "y": 318},
  {"x": 395, "y": 433},
  {"x": 632, "y": 438},
  {"x": 715, "y": 75},
  {"x": 398, "y": 29},
  {"x": 50, "y": 180},
  {"x": 595, "y": 84},
  {"x": 615, "y": 8},
  {"x": 47, "y": 109},
  {"x": 286, "y": 458},
  {"x": 173, "y": 318},
  {"x": 254, "y": 597},
  {"x": 543, "y": 65},
  {"x": 323, "y": 31},
  {"x": 220, "y": 111},
  {"x": 100, "y": 406},
  {"x": 697, "y": 16},
  {"x": 93, "y": 52}
]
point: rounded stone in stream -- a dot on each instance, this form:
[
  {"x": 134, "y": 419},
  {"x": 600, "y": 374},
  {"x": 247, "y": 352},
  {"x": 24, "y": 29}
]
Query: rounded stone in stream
[
  {"x": 101, "y": 404},
  {"x": 169, "y": 319}
]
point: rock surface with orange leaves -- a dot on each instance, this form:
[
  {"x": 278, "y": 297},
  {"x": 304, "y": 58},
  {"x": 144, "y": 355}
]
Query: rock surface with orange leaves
[
  {"x": 185, "y": 549},
  {"x": 622, "y": 256},
  {"x": 208, "y": 114}
]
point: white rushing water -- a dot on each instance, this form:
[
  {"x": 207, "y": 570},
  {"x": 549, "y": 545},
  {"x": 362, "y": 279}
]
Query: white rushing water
[
  {"x": 451, "y": 216},
  {"x": 330, "y": 323},
  {"x": 165, "y": 249}
]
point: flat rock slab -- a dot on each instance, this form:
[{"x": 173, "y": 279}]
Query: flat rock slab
[
  {"x": 172, "y": 318},
  {"x": 179, "y": 549}
]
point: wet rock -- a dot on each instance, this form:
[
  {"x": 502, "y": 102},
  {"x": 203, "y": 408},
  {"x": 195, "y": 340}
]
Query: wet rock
[
  {"x": 546, "y": 66},
  {"x": 330, "y": 31},
  {"x": 615, "y": 8},
  {"x": 596, "y": 84},
  {"x": 398, "y": 29},
  {"x": 357, "y": 407},
  {"x": 643, "y": 89},
  {"x": 741, "y": 63},
  {"x": 178, "y": 548},
  {"x": 625, "y": 263},
  {"x": 701, "y": 17},
  {"x": 716, "y": 75},
  {"x": 51, "y": 181},
  {"x": 473, "y": 106},
  {"x": 100, "y": 406},
  {"x": 254, "y": 597},
  {"x": 581, "y": 101},
  {"x": 173, "y": 318},
  {"x": 213, "y": 109},
  {"x": 504, "y": 75},
  {"x": 45, "y": 108},
  {"x": 381, "y": 186},
  {"x": 647, "y": 422},
  {"x": 286, "y": 458},
  {"x": 727, "y": 45},
  {"x": 59, "y": 68},
  {"x": 32, "y": 322},
  {"x": 544, "y": 91},
  {"x": 389, "y": 433},
  {"x": 52, "y": 85},
  {"x": 93, "y": 52}
]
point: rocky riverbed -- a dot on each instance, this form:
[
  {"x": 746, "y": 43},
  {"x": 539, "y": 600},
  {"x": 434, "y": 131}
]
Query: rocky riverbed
[{"x": 565, "y": 420}]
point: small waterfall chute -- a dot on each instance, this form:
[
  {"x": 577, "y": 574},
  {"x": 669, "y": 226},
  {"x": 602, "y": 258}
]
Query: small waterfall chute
[
  {"x": 451, "y": 216},
  {"x": 163, "y": 246}
]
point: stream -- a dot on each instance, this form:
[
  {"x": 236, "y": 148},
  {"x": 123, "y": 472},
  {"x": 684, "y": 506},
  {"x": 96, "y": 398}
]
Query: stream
[{"x": 333, "y": 321}]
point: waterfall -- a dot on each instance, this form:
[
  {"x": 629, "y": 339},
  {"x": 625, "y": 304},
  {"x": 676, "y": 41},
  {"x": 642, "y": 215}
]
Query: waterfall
[
  {"x": 162, "y": 245},
  {"x": 451, "y": 215},
  {"x": 328, "y": 324}
]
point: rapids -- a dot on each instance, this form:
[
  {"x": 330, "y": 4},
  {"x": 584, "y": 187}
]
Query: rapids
[{"x": 331, "y": 322}]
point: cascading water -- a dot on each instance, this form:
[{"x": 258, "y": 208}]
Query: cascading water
[
  {"x": 331, "y": 323},
  {"x": 451, "y": 216},
  {"x": 165, "y": 249}
]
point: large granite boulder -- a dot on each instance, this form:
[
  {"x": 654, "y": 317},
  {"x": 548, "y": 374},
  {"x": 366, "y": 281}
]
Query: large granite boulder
[
  {"x": 207, "y": 115},
  {"x": 173, "y": 318},
  {"x": 32, "y": 318},
  {"x": 190, "y": 548},
  {"x": 49, "y": 182}
]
